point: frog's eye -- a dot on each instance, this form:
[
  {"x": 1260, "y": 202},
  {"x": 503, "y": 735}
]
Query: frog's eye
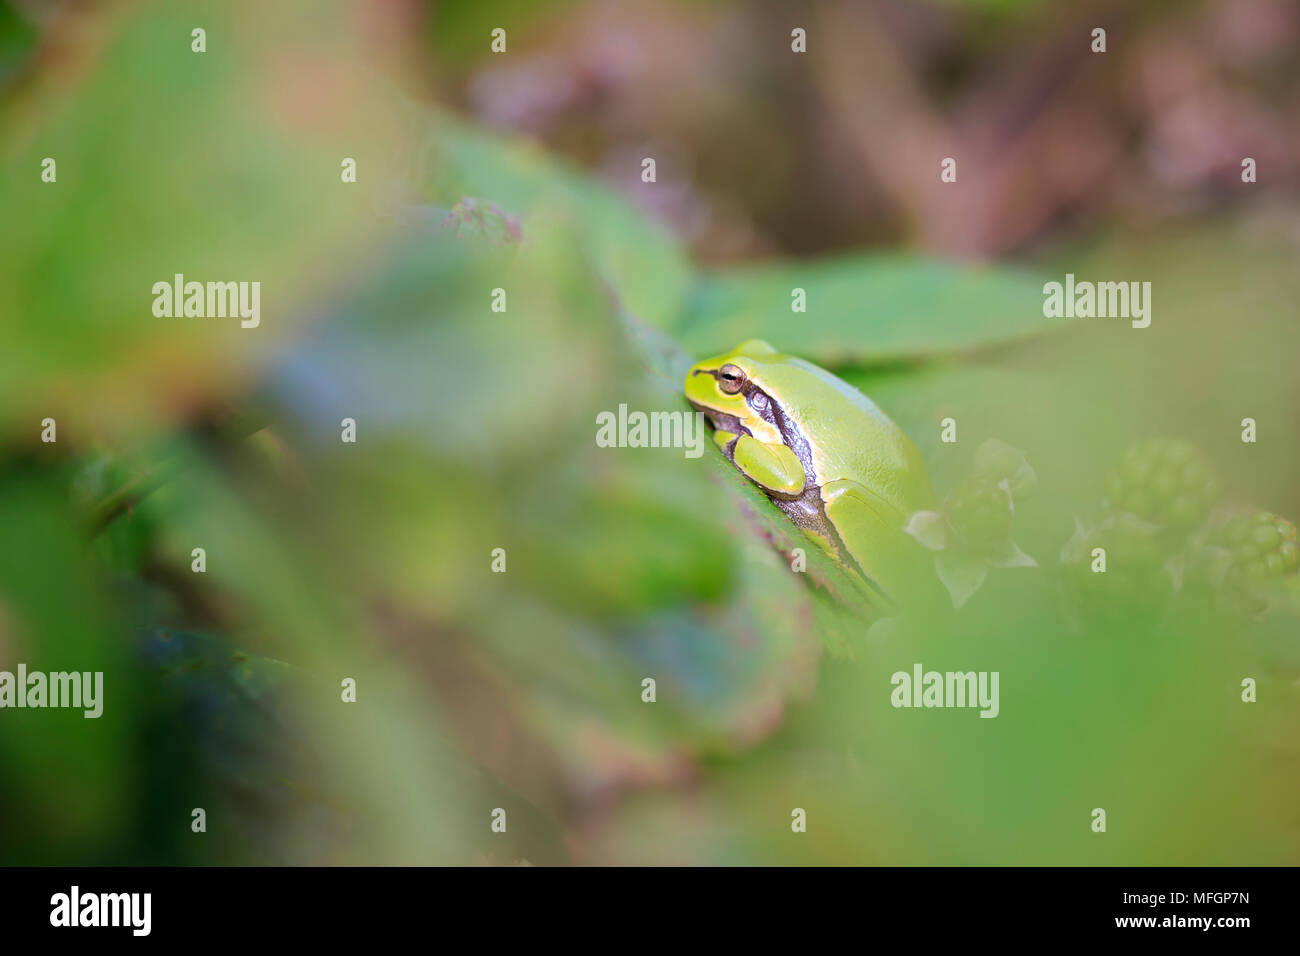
[{"x": 731, "y": 379}]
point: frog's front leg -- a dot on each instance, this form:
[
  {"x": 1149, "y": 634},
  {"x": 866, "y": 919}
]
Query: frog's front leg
[{"x": 773, "y": 467}]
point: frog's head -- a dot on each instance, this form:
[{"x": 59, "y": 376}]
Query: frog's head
[{"x": 723, "y": 388}]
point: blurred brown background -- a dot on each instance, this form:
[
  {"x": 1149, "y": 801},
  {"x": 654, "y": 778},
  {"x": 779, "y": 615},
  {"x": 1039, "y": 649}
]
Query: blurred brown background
[{"x": 762, "y": 151}]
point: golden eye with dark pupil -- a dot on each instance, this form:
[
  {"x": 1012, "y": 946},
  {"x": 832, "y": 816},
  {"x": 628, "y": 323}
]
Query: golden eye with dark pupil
[{"x": 731, "y": 379}]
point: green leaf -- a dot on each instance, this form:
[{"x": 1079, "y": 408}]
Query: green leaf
[
  {"x": 866, "y": 309},
  {"x": 639, "y": 260}
]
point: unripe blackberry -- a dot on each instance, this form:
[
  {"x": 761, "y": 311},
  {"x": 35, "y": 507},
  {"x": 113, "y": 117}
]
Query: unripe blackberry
[
  {"x": 998, "y": 460},
  {"x": 980, "y": 512},
  {"x": 1130, "y": 582},
  {"x": 1262, "y": 545},
  {"x": 1166, "y": 481}
]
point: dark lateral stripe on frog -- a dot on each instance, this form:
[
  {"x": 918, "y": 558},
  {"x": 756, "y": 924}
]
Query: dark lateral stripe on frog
[{"x": 808, "y": 511}]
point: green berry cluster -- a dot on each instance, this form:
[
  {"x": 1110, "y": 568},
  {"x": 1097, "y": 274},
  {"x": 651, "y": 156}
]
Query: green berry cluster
[
  {"x": 980, "y": 512},
  {"x": 1262, "y": 545},
  {"x": 1129, "y": 584},
  {"x": 1166, "y": 481}
]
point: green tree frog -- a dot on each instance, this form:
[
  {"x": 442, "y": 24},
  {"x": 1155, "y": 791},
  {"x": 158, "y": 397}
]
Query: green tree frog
[{"x": 825, "y": 454}]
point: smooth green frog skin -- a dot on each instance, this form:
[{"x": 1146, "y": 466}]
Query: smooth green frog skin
[{"x": 824, "y": 453}]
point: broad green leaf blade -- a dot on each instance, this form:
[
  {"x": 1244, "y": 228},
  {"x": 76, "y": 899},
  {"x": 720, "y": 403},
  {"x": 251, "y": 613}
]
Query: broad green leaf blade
[
  {"x": 866, "y": 309},
  {"x": 640, "y": 261}
]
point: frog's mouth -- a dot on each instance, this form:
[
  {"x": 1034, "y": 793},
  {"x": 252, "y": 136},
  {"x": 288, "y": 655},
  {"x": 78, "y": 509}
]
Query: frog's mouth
[{"x": 721, "y": 421}]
